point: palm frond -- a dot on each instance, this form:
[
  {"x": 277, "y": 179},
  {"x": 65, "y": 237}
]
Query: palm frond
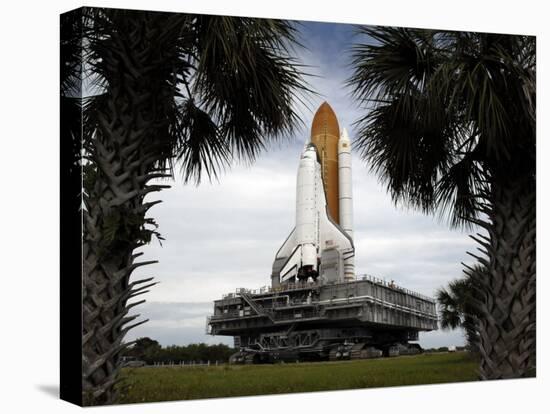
[
  {"x": 449, "y": 309},
  {"x": 442, "y": 109},
  {"x": 202, "y": 150},
  {"x": 459, "y": 191},
  {"x": 247, "y": 80},
  {"x": 406, "y": 144},
  {"x": 396, "y": 62},
  {"x": 71, "y": 50},
  {"x": 456, "y": 304}
]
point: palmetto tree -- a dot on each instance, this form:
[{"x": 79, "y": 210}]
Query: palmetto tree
[
  {"x": 457, "y": 308},
  {"x": 167, "y": 88},
  {"x": 449, "y": 126}
]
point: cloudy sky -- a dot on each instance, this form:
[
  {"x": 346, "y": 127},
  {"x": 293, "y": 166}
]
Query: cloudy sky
[{"x": 224, "y": 235}]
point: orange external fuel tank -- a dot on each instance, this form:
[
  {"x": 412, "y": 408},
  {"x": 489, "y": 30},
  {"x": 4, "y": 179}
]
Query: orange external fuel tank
[{"x": 325, "y": 134}]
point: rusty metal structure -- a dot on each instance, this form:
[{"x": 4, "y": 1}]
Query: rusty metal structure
[{"x": 325, "y": 134}]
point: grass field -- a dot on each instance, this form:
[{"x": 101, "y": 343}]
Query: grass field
[{"x": 176, "y": 383}]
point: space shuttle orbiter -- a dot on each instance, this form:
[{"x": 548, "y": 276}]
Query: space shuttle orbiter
[{"x": 321, "y": 244}]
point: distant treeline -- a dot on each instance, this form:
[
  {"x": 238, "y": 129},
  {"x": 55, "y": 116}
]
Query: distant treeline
[
  {"x": 446, "y": 349},
  {"x": 150, "y": 351}
]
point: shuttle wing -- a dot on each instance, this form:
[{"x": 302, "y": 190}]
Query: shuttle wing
[
  {"x": 288, "y": 258},
  {"x": 293, "y": 263},
  {"x": 333, "y": 236},
  {"x": 288, "y": 246}
]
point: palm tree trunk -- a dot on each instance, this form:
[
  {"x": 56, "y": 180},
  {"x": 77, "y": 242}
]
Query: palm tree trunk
[
  {"x": 123, "y": 153},
  {"x": 106, "y": 291},
  {"x": 118, "y": 191},
  {"x": 507, "y": 295}
]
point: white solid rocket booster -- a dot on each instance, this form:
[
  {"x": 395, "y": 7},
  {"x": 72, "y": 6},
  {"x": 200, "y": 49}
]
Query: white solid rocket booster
[
  {"x": 345, "y": 198},
  {"x": 344, "y": 183}
]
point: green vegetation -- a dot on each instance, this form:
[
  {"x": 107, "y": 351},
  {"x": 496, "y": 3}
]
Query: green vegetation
[
  {"x": 457, "y": 307},
  {"x": 176, "y": 383},
  {"x": 449, "y": 126},
  {"x": 150, "y": 351},
  {"x": 168, "y": 90}
]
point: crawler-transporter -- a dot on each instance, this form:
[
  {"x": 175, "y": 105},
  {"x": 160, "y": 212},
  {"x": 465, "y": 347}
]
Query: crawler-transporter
[{"x": 303, "y": 321}]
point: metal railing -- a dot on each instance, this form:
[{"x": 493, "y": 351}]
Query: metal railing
[
  {"x": 311, "y": 285},
  {"x": 392, "y": 285}
]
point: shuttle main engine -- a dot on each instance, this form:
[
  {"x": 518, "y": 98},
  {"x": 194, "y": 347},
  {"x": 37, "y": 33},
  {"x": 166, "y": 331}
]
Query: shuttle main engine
[{"x": 316, "y": 307}]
